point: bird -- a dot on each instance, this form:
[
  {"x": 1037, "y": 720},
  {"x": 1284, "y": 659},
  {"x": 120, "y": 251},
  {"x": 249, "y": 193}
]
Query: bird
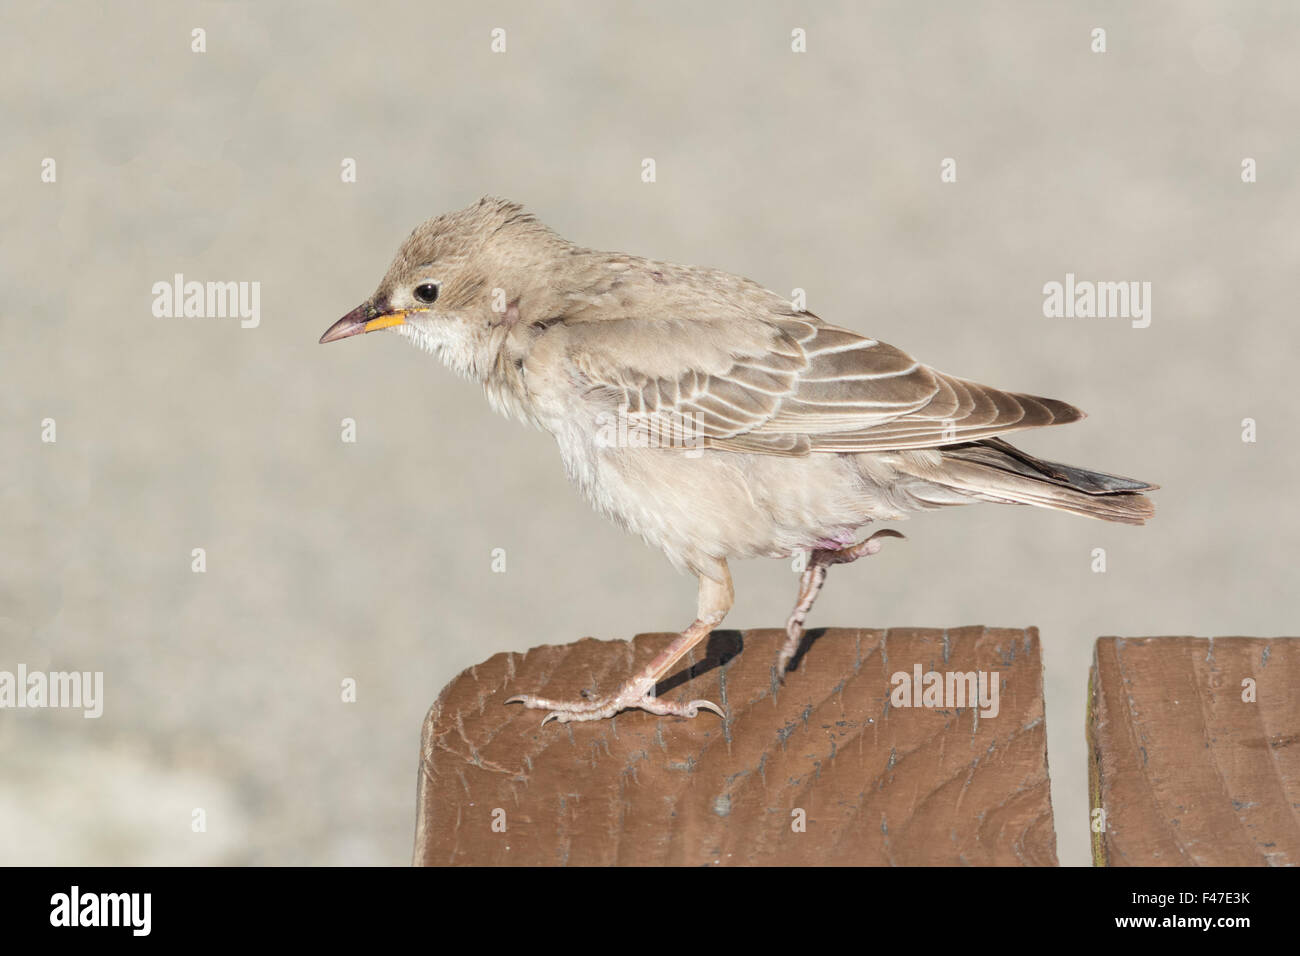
[{"x": 710, "y": 416}]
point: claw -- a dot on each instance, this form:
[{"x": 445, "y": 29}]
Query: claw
[
  {"x": 870, "y": 545},
  {"x": 695, "y": 706},
  {"x": 553, "y": 715}
]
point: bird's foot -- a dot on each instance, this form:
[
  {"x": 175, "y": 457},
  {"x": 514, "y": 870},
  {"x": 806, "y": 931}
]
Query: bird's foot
[
  {"x": 633, "y": 694},
  {"x": 788, "y": 650},
  {"x": 811, "y": 584}
]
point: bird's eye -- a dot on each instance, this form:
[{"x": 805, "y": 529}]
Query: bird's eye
[{"x": 427, "y": 292}]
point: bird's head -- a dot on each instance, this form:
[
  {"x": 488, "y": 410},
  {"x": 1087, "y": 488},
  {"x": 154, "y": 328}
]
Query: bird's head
[{"x": 455, "y": 285}]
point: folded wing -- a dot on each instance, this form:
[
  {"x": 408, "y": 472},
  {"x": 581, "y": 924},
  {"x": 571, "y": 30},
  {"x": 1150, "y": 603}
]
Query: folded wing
[{"x": 794, "y": 385}]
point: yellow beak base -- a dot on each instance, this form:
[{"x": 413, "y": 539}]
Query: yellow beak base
[{"x": 386, "y": 321}]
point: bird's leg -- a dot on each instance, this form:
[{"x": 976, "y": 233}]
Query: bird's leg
[
  {"x": 810, "y": 585},
  {"x": 716, "y": 596}
]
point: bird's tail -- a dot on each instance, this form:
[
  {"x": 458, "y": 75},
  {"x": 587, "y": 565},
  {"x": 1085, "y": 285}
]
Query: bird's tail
[{"x": 995, "y": 470}]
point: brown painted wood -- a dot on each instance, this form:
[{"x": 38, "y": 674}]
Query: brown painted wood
[
  {"x": 1187, "y": 771},
  {"x": 879, "y": 784}
]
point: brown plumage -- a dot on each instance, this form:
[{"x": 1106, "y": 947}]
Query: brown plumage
[{"x": 701, "y": 411}]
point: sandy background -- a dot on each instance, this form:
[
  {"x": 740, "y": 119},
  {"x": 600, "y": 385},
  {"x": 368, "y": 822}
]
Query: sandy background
[{"x": 373, "y": 560}]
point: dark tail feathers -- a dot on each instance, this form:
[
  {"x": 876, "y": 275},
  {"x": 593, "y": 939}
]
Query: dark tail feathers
[{"x": 1049, "y": 484}]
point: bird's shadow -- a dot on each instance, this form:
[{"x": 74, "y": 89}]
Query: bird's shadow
[
  {"x": 810, "y": 637},
  {"x": 722, "y": 647}
]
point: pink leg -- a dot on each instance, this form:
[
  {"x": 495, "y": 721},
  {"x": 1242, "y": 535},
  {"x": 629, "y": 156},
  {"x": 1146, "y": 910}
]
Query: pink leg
[
  {"x": 810, "y": 585},
  {"x": 715, "y": 600}
]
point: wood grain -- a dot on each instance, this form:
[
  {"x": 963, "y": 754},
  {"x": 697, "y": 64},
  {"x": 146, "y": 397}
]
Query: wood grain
[
  {"x": 1187, "y": 771},
  {"x": 879, "y": 784}
]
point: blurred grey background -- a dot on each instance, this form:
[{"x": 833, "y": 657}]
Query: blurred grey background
[{"x": 372, "y": 561}]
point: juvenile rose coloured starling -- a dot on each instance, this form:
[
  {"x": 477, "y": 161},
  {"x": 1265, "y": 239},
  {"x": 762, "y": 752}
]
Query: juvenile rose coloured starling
[{"x": 704, "y": 413}]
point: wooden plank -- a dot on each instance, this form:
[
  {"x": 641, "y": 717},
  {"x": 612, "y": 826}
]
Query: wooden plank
[
  {"x": 875, "y": 783},
  {"x": 1194, "y": 751}
]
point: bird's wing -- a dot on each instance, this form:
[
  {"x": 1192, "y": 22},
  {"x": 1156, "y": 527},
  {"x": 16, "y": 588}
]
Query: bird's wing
[{"x": 791, "y": 386}]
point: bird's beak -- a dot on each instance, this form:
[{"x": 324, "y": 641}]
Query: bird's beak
[{"x": 364, "y": 318}]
